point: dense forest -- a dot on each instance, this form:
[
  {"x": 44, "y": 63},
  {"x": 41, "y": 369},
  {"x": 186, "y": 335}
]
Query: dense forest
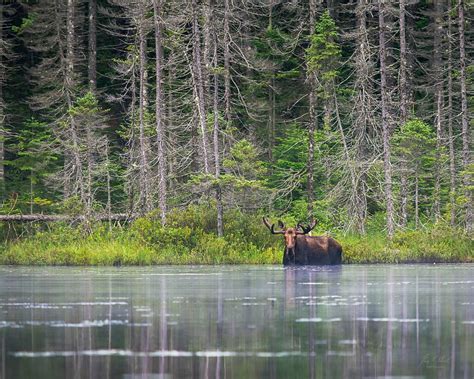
[{"x": 356, "y": 112}]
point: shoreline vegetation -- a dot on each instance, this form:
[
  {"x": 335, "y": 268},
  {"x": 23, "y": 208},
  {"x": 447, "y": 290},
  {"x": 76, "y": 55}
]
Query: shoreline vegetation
[{"x": 190, "y": 238}]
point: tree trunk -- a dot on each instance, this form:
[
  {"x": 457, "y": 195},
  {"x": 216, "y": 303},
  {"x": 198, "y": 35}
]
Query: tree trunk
[
  {"x": 217, "y": 164},
  {"x": 108, "y": 182},
  {"x": 350, "y": 166},
  {"x": 438, "y": 76},
  {"x": 76, "y": 175},
  {"x": 403, "y": 65},
  {"x": 417, "y": 217},
  {"x": 159, "y": 113},
  {"x": 169, "y": 128},
  {"x": 452, "y": 160},
  {"x": 92, "y": 66},
  {"x": 132, "y": 163},
  {"x": 227, "y": 91},
  {"x": 144, "y": 187},
  {"x": 403, "y": 110},
  {"x": 198, "y": 85},
  {"x": 271, "y": 95},
  {"x": 89, "y": 162},
  {"x": 60, "y": 217},
  {"x": 362, "y": 123},
  {"x": 271, "y": 117},
  {"x": 2, "y": 112},
  {"x": 313, "y": 117},
  {"x": 206, "y": 52},
  {"x": 466, "y": 158},
  {"x": 385, "y": 121}
]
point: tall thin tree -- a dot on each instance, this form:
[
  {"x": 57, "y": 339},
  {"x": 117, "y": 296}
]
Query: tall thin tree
[
  {"x": 313, "y": 117},
  {"x": 466, "y": 154},
  {"x": 385, "y": 121},
  {"x": 403, "y": 89},
  {"x": 217, "y": 159},
  {"x": 92, "y": 46},
  {"x": 160, "y": 111},
  {"x": 438, "y": 98}
]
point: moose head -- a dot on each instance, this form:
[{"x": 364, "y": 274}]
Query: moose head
[{"x": 290, "y": 234}]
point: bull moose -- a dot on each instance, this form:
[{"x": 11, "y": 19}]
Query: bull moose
[{"x": 301, "y": 249}]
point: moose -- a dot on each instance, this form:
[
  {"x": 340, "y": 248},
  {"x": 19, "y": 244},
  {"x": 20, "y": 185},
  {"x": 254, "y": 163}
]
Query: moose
[{"x": 301, "y": 249}]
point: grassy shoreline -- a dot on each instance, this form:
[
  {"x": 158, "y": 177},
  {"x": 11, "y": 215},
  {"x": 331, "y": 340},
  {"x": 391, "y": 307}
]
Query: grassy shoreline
[
  {"x": 125, "y": 248},
  {"x": 189, "y": 238}
]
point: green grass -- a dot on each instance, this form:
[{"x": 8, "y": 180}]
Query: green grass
[
  {"x": 439, "y": 244},
  {"x": 189, "y": 238}
]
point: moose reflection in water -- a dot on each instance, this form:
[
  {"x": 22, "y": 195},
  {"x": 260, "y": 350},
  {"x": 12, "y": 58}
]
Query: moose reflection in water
[{"x": 301, "y": 249}]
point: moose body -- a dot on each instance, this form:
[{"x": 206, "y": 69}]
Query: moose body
[
  {"x": 314, "y": 251},
  {"x": 301, "y": 249}
]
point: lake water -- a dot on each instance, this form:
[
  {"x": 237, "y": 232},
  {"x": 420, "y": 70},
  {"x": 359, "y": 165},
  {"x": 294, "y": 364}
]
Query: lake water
[{"x": 237, "y": 322}]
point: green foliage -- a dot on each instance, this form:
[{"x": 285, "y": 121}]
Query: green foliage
[
  {"x": 441, "y": 244},
  {"x": 324, "y": 51},
  {"x": 25, "y": 23},
  {"x": 35, "y": 160},
  {"x": 86, "y": 105},
  {"x": 272, "y": 45},
  {"x": 415, "y": 141},
  {"x": 290, "y": 159},
  {"x": 414, "y": 146},
  {"x": 190, "y": 239},
  {"x": 243, "y": 161},
  {"x": 33, "y": 155},
  {"x": 243, "y": 176}
]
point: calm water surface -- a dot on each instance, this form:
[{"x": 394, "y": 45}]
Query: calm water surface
[{"x": 237, "y": 322}]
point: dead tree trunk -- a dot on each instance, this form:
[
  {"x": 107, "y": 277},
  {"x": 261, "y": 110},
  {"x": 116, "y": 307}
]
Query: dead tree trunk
[
  {"x": 385, "y": 121},
  {"x": 438, "y": 76},
  {"x": 217, "y": 164},
  {"x": 90, "y": 162},
  {"x": 159, "y": 112},
  {"x": 144, "y": 186},
  {"x": 108, "y": 183},
  {"x": 313, "y": 117},
  {"x": 417, "y": 202},
  {"x": 466, "y": 155},
  {"x": 92, "y": 65},
  {"x": 271, "y": 96},
  {"x": 206, "y": 51},
  {"x": 452, "y": 159},
  {"x": 271, "y": 117},
  {"x": 2, "y": 106},
  {"x": 227, "y": 91},
  {"x": 76, "y": 174},
  {"x": 403, "y": 111},
  {"x": 403, "y": 64},
  {"x": 59, "y": 217},
  {"x": 198, "y": 84},
  {"x": 363, "y": 120}
]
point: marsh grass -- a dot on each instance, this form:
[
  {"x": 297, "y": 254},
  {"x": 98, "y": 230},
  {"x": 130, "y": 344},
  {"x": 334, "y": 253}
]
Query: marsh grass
[{"x": 189, "y": 238}]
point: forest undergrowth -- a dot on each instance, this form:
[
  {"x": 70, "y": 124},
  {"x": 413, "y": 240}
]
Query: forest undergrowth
[{"x": 190, "y": 238}]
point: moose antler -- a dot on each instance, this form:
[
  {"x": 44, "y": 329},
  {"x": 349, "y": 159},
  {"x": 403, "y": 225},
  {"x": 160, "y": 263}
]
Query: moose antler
[
  {"x": 307, "y": 229},
  {"x": 272, "y": 227}
]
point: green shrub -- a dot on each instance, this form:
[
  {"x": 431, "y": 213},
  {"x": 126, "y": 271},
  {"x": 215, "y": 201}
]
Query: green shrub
[{"x": 189, "y": 238}]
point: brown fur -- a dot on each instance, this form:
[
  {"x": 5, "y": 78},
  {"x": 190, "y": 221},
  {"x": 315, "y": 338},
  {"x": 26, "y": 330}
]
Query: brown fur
[{"x": 308, "y": 250}]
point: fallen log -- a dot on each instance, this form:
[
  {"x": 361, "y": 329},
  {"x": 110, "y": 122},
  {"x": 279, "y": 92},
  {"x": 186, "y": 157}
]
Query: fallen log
[{"x": 61, "y": 217}]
